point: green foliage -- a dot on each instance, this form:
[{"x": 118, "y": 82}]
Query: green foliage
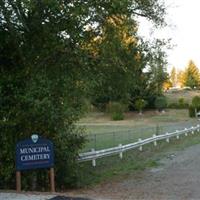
[
  {"x": 196, "y": 102},
  {"x": 100, "y": 102},
  {"x": 116, "y": 60},
  {"x": 46, "y": 71},
  {"x": 191, "y": 75},
  {"x": 116, "y": 109},
  {"x": 191, "y": 111},
  {"x": 157, "y": 74},
  {"x": 178, "y": 105},
  {"x": 140, "y": 104},
  {"x": 117, "y": 116},
  {"x": 182, "y": 104},
  {"x": 121, "y": 57},
  {"x": 36, "y": 108},
  {"x": 173, "y": 77},
  {"x": 161, "y": 103},
  {"x": 181, "y": 101},
  {"x": 40, "y": 86}
]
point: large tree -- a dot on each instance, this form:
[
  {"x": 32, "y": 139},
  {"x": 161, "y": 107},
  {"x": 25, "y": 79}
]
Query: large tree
[
  {"x": 117, "y": 60},
  {"x": 123, "y": 57},
  {"x": 45, "y": 68},
  {"x": 153, "y": 74},
  {"x": 191, "y": 76},
  {"x": 181, "y": 78},
  {"x": 173, "y": 77}
]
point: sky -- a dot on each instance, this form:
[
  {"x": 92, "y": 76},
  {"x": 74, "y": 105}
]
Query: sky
[{"x": 184, "y": 30}]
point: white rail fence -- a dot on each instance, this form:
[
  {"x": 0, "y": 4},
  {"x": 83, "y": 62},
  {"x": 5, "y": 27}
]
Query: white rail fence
[{"x": 93, "y": 155}]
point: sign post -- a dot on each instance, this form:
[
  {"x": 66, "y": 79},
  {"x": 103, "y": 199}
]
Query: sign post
[
  {"x": 18, "y": 181},
  {"x": 34, "y": 153},
  {"x": 52, "y": 181}
]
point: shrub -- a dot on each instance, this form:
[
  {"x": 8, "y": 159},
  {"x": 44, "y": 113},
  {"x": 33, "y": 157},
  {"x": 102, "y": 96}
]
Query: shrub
[
  {"x": 181, "y": 101},
  {"x": 44, "y": 107},
  {"x": 196, "y": 102},
  {"x": 88, "y": 107},
  {"x": 182, "y": 104},
  {"x": 116, "y": 110},
  {"x": 140, "y": 104},
  {"x": 115, "y": 107},
  {"x": 176, "y": 105},
  {"x": 117, "y": 116},
  {"x": 191, "y": 110},
  {"x": 173, "y": 105},
  {"x": 161, "y": 103},
  {"x": 100, "y": 103}
]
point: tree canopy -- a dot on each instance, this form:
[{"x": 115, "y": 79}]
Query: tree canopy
[
  {"x": 192, "y": 75},
  {"x": 46, "y": 69}
]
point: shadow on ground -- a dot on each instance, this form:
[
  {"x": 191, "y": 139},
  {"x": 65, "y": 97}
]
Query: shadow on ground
[{"x": 68, "y": 198}]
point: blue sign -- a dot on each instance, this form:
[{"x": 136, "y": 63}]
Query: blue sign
[{"x": 34, "y": 153}]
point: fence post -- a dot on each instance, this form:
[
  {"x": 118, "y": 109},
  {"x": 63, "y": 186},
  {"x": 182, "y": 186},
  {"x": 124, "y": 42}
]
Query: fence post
[
  {"x": 18, "y": 181},
  {"x": 139, "y": 140},
  {"x": 177, "y": 136},
  {"x": 157, "y": 129},
  {"x": 192, "y": 130},
  {"x": 121, "y": 152},
  {"x": 167, "y": 139},
  {"x": 93, "y": 160},
  {"x": 95, "y": 141},
  {"x": 186, "y": 134},
  {"x": 114, "y": 139},
  {"x": 155, "y": 142}
]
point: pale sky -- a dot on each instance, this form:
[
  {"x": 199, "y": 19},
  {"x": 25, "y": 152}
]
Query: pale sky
[{"x": 184, "y": 30}]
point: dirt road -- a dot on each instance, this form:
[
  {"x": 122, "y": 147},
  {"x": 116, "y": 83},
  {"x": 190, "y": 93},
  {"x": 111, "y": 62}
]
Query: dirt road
[{"x": 178, "y": 177}]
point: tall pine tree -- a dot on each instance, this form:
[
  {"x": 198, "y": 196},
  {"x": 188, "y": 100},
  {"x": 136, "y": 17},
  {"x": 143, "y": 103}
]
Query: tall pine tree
[
  {"x": 173, "y": 77},
  {"x": 191, "y": 75}
]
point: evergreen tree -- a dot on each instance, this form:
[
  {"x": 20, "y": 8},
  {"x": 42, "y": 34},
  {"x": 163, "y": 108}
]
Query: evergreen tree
[
  {"x": 191, "y": 75},
  {"x": 157, "y": 64},
  {"x": 173, "y": 77},
  {"x": 181, "y": 78}
]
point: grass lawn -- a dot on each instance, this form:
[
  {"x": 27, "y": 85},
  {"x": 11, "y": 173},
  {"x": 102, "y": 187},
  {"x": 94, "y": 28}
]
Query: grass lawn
[{"x": 102, "y": 132}]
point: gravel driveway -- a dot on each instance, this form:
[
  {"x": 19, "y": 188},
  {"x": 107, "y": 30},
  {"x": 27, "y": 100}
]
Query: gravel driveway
[{"x": 177, "y": 178}]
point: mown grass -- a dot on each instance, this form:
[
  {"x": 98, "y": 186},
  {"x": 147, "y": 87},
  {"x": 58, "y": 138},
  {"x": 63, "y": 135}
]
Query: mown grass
[
  {"x": 104, "y": 133},
  {"x": 132, "y": 162}
]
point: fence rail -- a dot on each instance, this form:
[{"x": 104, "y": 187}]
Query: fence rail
[
  {"x": 115, "y": 135},
  {"x": 93, "y": 155}
]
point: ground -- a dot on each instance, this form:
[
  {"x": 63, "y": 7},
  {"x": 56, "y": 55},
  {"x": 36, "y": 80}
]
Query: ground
[
  {"x": 177, "y": 177},
  {"x": 102, "y": 132},
  {"x": 98, "y": 122}
]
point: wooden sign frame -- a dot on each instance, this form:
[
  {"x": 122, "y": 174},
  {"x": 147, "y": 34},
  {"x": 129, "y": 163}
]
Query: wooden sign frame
[
  {"x": 34, "y": 153},
  {"x": 52, "y": 180}
]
